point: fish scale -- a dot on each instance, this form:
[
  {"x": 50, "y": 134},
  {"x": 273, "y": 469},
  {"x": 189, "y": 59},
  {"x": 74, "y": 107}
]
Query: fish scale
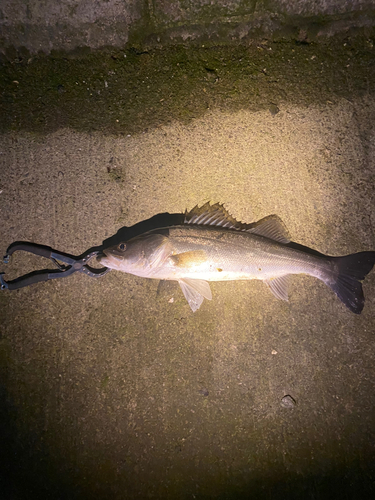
[{"x": 242, "y": 255}]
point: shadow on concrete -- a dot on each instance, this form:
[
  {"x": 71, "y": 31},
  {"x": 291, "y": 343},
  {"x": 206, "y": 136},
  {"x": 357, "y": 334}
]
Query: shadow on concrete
[
  {"x": 29, "y": 471},
  {"x": 155, "y": 222}
]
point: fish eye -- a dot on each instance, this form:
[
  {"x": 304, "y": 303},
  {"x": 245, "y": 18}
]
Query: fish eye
[{"x": 122, "y": 246}]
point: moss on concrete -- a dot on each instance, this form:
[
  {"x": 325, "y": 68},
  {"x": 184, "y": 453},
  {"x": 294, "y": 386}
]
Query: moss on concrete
[{"x": 129, "y": 91}]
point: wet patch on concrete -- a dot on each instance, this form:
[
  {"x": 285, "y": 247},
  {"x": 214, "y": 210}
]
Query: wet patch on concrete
[{"x": 134, "y": 90}]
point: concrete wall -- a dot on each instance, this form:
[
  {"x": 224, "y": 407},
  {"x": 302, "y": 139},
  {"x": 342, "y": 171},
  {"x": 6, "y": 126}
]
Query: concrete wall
[{"x": 45, "y": 25}]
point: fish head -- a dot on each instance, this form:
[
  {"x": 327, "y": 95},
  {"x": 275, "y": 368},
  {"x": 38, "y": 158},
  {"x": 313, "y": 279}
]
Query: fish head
[{"x": 140, "y": 255}]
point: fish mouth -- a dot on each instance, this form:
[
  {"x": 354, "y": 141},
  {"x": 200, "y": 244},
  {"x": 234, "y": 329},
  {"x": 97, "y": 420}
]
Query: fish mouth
[
  {"x": 103, "y": 255},
  {"x": 113, "y": 252},
  {"x": 108, "y": 258},
  {"x": 101, "y": 258}
]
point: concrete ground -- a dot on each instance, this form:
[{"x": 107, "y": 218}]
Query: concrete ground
[{"x": 113, "y": 388}]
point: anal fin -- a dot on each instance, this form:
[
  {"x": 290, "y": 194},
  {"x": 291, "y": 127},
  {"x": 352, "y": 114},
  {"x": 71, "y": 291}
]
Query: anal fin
[{"x": 279, "y": 286}]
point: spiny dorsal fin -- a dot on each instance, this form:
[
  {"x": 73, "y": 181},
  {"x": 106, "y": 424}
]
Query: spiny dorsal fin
[
  {"x": 213, "y": 215},
  {"x": 271, "y": 227},
  {"x": 216, "y": 215}
]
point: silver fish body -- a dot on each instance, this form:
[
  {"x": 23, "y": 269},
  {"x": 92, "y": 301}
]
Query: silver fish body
[
  {"x": 212, "y": 246},
  {"x": 213, "y": 255}
]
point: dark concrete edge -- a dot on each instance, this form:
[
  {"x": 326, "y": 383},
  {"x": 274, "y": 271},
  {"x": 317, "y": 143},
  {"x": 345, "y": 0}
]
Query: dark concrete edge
[
  {"x": 146, "y": 33},
  {"x": 250, "y": 29}
]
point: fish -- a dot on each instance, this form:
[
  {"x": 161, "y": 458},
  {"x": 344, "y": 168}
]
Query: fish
[{"x": 211, "y": 245}]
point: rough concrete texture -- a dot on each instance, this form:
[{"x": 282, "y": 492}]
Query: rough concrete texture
[
  {"x": 113, "y": 388},
  {"x": 66, "y": 25},
  {"x": 53, "y": 25}
]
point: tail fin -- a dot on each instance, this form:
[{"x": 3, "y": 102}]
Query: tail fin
[{"x": 350, "y": 271}]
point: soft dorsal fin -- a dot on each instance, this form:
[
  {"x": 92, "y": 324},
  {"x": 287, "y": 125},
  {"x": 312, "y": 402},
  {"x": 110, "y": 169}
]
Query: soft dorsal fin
[
  {"x": 271, "y": 227},
  {"x": 213, "y": 215}
]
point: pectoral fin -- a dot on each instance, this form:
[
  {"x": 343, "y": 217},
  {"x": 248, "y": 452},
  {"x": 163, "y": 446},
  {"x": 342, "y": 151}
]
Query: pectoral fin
[
  {"x": 189, "y": 259},
  {"x": 279, "y": 287},
  {"x": 195, "y": 291}
]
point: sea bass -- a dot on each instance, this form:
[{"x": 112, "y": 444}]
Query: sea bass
[{"x": 212, "y": 246}]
